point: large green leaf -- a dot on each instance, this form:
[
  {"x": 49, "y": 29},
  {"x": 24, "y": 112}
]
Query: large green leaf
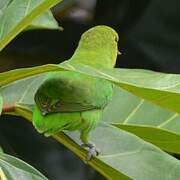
[
  {"x": 122, "y": 154},
  {"x": 148, "y": 121},
  {"x": 18, "y": 14},
  {"x": 12, "y": 168},
  {"x": 159, "y": 88}
]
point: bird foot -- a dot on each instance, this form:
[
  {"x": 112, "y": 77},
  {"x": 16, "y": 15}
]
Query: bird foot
[{"x": 92, "y": 150}]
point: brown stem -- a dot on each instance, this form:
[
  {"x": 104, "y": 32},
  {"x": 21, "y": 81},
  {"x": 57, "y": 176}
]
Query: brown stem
[{"x": 8, "y": 108}]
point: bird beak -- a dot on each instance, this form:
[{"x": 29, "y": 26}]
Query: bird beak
[{"x": 119, "y": 53}]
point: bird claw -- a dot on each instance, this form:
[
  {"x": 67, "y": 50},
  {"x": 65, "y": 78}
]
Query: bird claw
[{"x": 92, "y": 150}]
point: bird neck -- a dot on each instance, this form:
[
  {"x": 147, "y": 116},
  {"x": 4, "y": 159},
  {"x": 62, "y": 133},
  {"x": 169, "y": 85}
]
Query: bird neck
[{"x": 97, "y": 59}]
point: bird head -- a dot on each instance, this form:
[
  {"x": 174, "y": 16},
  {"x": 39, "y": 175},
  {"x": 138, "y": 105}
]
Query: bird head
[{"x": 100, "y": 42}]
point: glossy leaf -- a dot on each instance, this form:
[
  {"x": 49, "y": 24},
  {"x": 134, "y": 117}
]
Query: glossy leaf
[
  {"x": 12, "y": 168},
  {"x": 123, "y": 155},
  {"x": 19, "y": 14}
]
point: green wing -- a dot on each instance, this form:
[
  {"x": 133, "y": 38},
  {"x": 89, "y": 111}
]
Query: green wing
[{"x": 71, "y": 91}]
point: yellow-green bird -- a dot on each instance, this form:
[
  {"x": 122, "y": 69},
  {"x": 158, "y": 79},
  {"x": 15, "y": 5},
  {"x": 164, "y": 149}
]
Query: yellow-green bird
[{"x": 72, "y": 101}]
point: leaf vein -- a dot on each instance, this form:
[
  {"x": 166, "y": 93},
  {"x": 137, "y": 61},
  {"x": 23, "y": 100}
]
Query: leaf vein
[
  {"x": 27, "y": 8},
  {"x": 25, "y": 92},
  {"x": 133, "y": 111},
  {"x": 168, "y": 120}
]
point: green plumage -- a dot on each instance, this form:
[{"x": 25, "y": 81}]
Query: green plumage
[{"x": 72, "y": 101}]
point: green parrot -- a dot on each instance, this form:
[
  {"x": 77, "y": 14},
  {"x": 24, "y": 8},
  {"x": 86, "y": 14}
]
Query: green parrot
[{"x": 72, "y": 101}]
